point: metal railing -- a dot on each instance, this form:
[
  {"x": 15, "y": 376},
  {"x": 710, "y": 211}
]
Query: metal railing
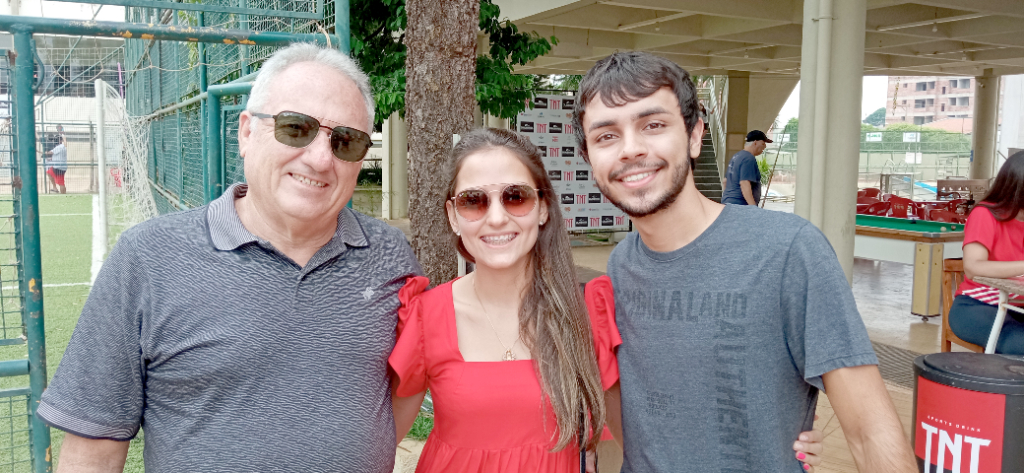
[{"x": 719, "y": 108}]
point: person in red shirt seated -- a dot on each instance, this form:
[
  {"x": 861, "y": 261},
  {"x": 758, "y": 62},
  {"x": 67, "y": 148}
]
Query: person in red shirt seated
[{"x": 993, "y": 248}]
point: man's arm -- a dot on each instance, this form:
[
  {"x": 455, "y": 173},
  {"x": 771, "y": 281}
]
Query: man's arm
[
  {"x": 868, "y": 417},
  {"x": 405, "y": 410},
  {"x": 748, "y": 192},
  {"x": 613, "y": 412},
  {"x": 82, "y": 455}
]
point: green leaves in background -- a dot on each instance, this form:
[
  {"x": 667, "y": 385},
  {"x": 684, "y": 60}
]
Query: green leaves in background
[{"x": 378, "y": 29}]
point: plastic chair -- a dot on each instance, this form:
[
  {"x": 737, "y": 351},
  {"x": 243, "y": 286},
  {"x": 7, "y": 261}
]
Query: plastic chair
[
  {"x": 861, "y": 193},
  {"x": 885, "y": 197},
  {"x": 867, "y": 200},
  {"x": 877, "y": 208},
  {"x": 939, "y": 215},
  {"x": 871, "y": 192},
  {"x": 953, "y": 204},
  {"x": 901, "y": 207},
  {"x": 952, "y": 276}
]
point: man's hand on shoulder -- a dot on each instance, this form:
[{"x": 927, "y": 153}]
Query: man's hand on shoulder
[{"x": 869, "y": 420}]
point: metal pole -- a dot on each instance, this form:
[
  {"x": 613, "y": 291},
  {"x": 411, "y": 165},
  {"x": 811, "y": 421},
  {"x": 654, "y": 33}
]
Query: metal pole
[
  {"x": 112, "y": 29},
  {"x": 92, "y": 154},
  {"x": 101, "y": 164},
  {"x": 341, "y": 25},
  {"x": 243, "y": 50},
  {"x": 213, "y": 176},
  {"x": 204, "y": 107},
  {"x": 32, "y": 276},
  {"x": 203, "y": 80},
  {"x": 198, "y": 98}
]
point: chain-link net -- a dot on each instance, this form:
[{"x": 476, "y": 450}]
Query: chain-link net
[
  {"x": 129, "y": 199},
  {"x": 163, "y": 74},
  {"x": 65, "y": 108}
]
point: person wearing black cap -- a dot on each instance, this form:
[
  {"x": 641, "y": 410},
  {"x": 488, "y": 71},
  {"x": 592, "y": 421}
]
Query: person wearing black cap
[{"x": 743, "y": 178}]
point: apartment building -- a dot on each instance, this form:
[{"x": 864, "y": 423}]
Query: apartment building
[{"x": 921, "y": 99}]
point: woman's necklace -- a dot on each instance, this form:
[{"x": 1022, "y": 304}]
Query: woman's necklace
[{"x": 509, "y": 354}]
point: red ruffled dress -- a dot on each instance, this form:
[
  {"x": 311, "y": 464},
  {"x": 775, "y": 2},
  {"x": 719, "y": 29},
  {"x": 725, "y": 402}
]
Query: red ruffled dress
[{"x": 488, "y": 416}]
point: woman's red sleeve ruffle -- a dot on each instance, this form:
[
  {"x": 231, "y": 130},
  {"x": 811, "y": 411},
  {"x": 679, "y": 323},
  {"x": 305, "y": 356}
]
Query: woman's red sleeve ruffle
[
  {"x": 407, "y": 360},
  {"x": 601, "y": 307}
]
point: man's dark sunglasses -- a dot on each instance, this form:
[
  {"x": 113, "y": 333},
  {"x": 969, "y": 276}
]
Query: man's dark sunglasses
[{"x": 298, "y": 131}]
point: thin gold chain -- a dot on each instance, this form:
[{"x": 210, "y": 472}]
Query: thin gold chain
[{"x": 509, "y": 355}]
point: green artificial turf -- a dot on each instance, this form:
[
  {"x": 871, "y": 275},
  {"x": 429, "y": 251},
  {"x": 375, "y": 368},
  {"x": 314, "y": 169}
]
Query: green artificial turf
[
  {"x": 421, "y": 427},
  {"x": 65, "y": 228}
]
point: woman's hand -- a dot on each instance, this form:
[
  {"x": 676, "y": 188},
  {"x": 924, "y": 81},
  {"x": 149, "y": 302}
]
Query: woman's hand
[
  {"x": 591, "y": 461},
  {"x": 808, "y": 448}
]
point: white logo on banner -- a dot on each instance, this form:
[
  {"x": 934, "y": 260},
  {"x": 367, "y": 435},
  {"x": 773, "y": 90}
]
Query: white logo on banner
[
  {"x": 583, "y": 207},
  {"x": 912, "y": 137}
]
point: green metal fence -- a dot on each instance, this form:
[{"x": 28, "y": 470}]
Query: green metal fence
[
  {"x": 24, "y": 440},
  {"x": 166, "y": 77},
  {"x": 15, "y": 452},
  {"x": 183, "y": 172},
  {"x": 927, "y": 155}
]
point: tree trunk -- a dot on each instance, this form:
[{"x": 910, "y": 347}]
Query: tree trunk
[{"x": 440, "y": 71}]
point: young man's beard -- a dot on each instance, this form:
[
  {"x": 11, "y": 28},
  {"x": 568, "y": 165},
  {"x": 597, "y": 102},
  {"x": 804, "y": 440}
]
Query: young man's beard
[{"x": 654, "y": 205}]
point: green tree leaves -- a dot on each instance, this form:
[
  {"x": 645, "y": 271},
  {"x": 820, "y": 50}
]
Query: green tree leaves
[
  {"x": 877, "y": 118},
  {"x": 378, "y": 28}
]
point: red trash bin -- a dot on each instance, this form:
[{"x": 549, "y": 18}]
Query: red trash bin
[{"x": 969, "y": 413}]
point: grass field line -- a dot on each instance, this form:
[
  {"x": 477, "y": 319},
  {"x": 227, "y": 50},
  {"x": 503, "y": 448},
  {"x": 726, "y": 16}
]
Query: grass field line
[{"x": 64, "y": 284}]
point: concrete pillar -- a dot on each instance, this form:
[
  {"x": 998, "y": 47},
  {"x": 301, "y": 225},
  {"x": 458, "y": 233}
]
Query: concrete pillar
[
  {"x": 395, "y": 167},
  {"x": 831, "y": 73},
  {"x": 986, "y": 118},
  {"x": 736, "y": 115},
  {"x": 491, "y": 121}
]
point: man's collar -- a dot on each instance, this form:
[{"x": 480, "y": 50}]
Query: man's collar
[{"x": 228, "y": 233}]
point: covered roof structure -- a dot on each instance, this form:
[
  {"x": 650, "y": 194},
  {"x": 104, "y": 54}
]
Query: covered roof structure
[
  {"x": 765, "y": 46},
  {"x": 917, "y": 37}
]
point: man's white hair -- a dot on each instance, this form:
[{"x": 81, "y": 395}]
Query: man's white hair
[{"x": 306, "y": 52}]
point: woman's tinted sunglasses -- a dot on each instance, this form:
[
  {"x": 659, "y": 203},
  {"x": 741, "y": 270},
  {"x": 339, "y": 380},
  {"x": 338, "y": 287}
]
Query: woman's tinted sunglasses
[
  {"x": 298, "y": 131},
  {"x": 518, "y": 200}
]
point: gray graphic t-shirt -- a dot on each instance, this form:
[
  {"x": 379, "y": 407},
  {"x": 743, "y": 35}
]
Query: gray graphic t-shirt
[{"x": 725, "y": 341}]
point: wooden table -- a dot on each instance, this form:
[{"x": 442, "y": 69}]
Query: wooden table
[
  {"x": 920, "y": 243},
  {"x": 1006, "y": 287}
]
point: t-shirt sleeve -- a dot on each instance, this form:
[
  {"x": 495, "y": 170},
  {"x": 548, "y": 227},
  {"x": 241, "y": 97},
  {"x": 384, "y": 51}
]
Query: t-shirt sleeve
[
  {"x": 982, "y": 227},
  {"x": 824, "y": 331},
  {"x": 408, "y": 360},
  {"x": 749, "y": 171},
  {"x": 97, "y": 391},
  {"x": 601, "y": 307}
]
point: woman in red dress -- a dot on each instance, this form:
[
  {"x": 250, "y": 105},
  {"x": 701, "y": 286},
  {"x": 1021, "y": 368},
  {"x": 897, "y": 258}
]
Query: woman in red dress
[{"x": 508, "y": 351}]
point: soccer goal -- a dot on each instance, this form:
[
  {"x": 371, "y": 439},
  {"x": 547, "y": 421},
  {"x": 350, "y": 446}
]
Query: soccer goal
[{"x": 124, "y": 194}]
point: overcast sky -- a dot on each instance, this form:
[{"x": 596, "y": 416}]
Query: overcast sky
[
  {"x": 73, "y": 11},
  {"x": 875, "y": 88}
]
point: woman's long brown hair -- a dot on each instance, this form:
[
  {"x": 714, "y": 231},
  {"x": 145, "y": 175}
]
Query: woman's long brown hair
[
  {"x": 553, "y": 314},
  {"x": 1006, "y": 199}
]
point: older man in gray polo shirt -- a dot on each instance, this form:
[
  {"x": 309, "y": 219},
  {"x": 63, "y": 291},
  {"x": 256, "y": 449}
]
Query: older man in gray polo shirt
[{"x": 251, "y": 334}]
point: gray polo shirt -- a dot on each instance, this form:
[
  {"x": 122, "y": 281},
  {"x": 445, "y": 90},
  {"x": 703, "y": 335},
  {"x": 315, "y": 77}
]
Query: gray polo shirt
[{"x": 230, "y": 355}]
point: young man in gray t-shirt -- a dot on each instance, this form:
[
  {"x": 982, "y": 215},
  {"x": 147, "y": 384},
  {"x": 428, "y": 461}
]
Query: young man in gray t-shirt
[{"x": 731, "y": 318}]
